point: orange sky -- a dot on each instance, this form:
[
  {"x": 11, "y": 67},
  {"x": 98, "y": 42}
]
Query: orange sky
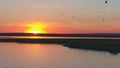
[
  {"x": 60, "y": 16},
  {"x": 45, "y": 27}
]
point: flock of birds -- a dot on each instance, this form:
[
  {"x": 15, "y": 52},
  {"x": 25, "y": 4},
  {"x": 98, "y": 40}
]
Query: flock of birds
[{"x": 73, "y": 17}]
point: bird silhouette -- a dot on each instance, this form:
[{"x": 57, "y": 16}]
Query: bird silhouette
[
  {"x": 103, "y": 19},
  {"x": 106, "y": 1},
  {"x": 62, "y": 13},
  {"x": 73, "y": 17}
]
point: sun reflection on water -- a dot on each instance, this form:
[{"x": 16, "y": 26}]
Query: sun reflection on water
[{"x": 35, "y": 37}]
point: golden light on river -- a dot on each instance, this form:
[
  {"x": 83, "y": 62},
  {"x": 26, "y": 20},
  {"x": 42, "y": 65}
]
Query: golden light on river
[{"x": 35, "y": 28}]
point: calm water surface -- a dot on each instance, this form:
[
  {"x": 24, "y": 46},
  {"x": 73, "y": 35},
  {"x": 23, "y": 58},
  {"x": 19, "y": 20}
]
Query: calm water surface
[{"x": 15, "y": 55}]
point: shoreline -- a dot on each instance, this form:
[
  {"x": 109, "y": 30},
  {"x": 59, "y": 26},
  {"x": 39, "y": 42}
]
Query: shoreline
[
  {"x": 109, "y": 45},
  {"x": 113, "y": 35}
]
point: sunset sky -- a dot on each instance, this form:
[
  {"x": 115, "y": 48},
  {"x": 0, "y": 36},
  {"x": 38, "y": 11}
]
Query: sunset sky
[{"x": 60, "y": 16}]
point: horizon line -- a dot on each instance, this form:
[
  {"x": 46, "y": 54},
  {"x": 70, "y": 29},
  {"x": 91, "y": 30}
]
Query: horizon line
[{"x": 64, "y": 35}]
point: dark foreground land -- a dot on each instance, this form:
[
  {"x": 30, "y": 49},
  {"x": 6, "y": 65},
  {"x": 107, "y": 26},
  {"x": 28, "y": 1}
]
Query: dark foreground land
[
  {"x": 63, "y": 35},
  {"x": 110, "y": 45}
]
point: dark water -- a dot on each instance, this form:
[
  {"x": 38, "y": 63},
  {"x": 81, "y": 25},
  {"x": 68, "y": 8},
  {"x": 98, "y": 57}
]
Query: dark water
[{"x": 15, "y": 55}]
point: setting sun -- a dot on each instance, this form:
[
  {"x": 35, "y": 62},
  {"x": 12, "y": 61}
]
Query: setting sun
[
  {"x": 35, "y": 31},
  {"x": 35, "y": 28}
]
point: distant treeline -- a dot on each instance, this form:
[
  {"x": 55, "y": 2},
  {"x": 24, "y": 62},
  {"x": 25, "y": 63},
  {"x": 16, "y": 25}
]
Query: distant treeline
[{"x": 62, "y": 35}]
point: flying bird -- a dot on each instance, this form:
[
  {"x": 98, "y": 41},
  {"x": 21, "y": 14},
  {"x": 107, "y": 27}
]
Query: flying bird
[
  {"x": 73, "y": 17},
  {"x": 63, "y": 14},
  {"x": 103, "y": 19},
  {"x": 106, "y": 1}
]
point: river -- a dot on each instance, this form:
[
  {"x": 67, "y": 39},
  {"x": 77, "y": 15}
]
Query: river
[{"x": 20, "y": 55}]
